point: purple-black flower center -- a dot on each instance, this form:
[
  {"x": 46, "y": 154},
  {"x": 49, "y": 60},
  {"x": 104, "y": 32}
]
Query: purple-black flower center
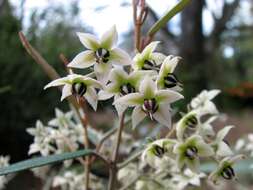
[
  {"x": 171, "y": 81},
  {"x": 191, "y": 122},
  {"x": 150, "y": 106},
  {"x": 102, "y": 55},
  {"x": 149, "y": 65},
  {"x": 228, "y": 173},
  {"x": 126, "y": 89},
  {"x": 79, "y": 89},
  {"x": 158, "y": 150},
  {"x": 191, "y": 152}
]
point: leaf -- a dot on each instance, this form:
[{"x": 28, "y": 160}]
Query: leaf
[
  {"x": 41, "y": 161},
  {"x": 165, "y": 18}
]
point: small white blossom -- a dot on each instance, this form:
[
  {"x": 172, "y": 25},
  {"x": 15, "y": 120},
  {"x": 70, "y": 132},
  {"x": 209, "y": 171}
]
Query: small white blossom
[
  {"x": 4, "y": 162},
  {"x": 188, "y": 152},
  {"x": 150, "y": 101},
  {"x": 203, "y": 102},
  {"x": 148, "y": 59},
  {"x": 101, "y": 53},
  {"x": 78, "y": 85}
]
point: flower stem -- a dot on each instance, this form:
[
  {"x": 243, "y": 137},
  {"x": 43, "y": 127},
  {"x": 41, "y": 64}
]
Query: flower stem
[{"x": 113, "y": 170}]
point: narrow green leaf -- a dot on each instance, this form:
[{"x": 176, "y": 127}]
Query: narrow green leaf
[
  {"x": 42, "y": 161},
  {"x": 165, "y": 18}
]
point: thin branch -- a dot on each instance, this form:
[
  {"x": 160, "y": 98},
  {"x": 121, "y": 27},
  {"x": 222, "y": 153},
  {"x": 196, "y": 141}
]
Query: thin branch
[
  {"x": 113, "y": 171},
  {"x": 130, "y": 159}
]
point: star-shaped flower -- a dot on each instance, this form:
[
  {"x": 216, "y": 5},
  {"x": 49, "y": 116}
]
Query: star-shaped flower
[
  {"x": 79, "y": 86},
  {"x": 148, "y": 59},
  {"x": 203, "y": 101},
  {"x": 221, "y": 147},
  {"x": 158, "y": 153},
  {"x": 121, "y": 84},
  {"x": 166, "y": 78},
  {"x": 225, "y": 169},
  {"x": 150, "y": 101},
  {"x": 101, "y": 53},
  {"x": 188, "y": 152}
]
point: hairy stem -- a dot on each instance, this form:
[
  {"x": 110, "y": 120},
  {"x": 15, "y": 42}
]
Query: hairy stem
[{"x": 113, "y": 171}]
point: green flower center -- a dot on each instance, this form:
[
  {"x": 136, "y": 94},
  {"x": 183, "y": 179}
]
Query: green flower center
[
  {"x": 228, "y": 173},
  {"x": 126, "y": 89},
  {"x": 102, "y": 55},
  {"x": 191, "y": 152},
  {"x": 171, "y": 80},
  {"x": 79, "y": 88},
  {"x": 150, "y": 106},
  {"x": 158, "y": 151}
]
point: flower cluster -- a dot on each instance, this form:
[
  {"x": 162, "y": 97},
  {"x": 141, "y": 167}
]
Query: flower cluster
[{"x": 147, "y": 84}]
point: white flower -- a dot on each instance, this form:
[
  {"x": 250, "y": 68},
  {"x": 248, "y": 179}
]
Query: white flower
[
  {"x": 225, "y": 169},
  {"x": 188, "y": 152},
  {"x": 147, "y": 59},
  {"x": 206, "y": 129},
  {"x": 101, "y": 53},
  {"x": 150, "y": 101},
  {"x": 61, "y": 119},
  {"x": 187, "y": 124},
  {"x": 4, "y": 162},
  {"x": 78, "y": 85},
  {"x": 220, "y": 146},
  {"x": 203, "y": 102},
  {"x": 121, "y": 84},
  {"x": 187, "y": 177},
  {"x": 158, "y": 154},
  {"x": 42, "y": 139},
  {"x": 166, "y": 78},
  {"x": 128, "y": 173}
]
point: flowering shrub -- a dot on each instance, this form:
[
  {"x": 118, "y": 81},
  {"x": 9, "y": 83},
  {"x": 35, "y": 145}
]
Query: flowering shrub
[{"x": 146, "y": 87}]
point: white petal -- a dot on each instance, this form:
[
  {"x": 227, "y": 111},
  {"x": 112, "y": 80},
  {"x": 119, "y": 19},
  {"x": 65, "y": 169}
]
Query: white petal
[
  {"x": 223, "y": 132},
  {"x": 137, "y": 116},
  {"x": 158, "y": 58},
  {"x": 119, "y": 57},
  {"x": 91, "y": 97},
  {"x": 193, "y": 164},
  {"x": 171, "y": 63},
  {"x": 83, "y": 60},
  {"x": 146, "y": 53},
  {"x": 88, "y": 40},
  {"x": 168, "y": 96},
  {"x": 224, "y": 150},
  {"x": 213, "y": 93},
  {"x": 148, "y": 87},
  {"x": 133, "y": 99},
  {"x": 163, "y": 115},
  {"x": 57, "y": 82},
  {"x": 118, "y": 75},
  {"x": 102, "y": 71},
  {"x": 66, "y": 91},
  {"x": 104, "y": 95},
  {"x": 119, "y": 107},
  {"x": 109, "y": 38}
]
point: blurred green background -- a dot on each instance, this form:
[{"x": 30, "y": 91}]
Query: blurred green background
[{"x": 214, "y": 37}]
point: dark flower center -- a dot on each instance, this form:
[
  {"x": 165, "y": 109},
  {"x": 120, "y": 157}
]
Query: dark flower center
[
  {"x": 149, "y": 65},
  {"x": 228, "y": 173},
  {"x": 78, "y": 88},
  {"x": 126, "y": 89},
  {"x": 171, "y": 81},
  {"x": 102, "y": 55},
  {"x": 191, "y": 122},
  {"x": 150, "y": 106},
  {"x": 191, "y": 152},
  {"x": 158, "y": 151}
]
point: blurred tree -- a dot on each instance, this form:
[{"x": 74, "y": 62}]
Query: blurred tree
[{"x": 52, "y": 31}]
